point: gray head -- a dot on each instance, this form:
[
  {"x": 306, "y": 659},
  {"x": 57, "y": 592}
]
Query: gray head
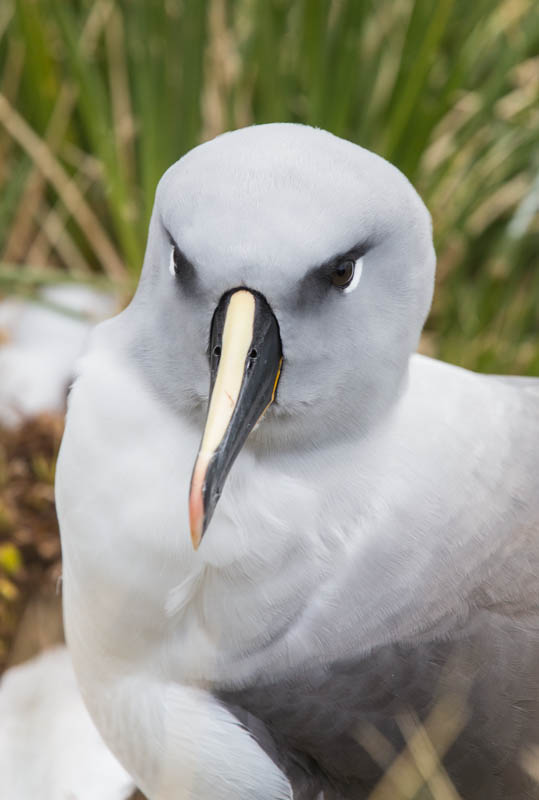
[{"x": 332, "y": 237}]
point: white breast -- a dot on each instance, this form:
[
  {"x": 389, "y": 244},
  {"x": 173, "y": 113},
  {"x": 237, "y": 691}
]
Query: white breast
[{"x": 134, "y": 588}]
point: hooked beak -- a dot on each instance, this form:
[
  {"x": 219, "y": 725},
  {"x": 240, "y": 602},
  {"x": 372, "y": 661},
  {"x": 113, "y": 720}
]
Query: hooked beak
[{"x": 245, "y": 364}]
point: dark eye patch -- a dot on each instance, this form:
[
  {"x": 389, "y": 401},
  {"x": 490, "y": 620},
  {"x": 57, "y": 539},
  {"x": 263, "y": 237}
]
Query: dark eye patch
[
  {"x": 183, "y": 268},
  {"x": 181, "y": 263},
  {"x": 319, "y": 281}
]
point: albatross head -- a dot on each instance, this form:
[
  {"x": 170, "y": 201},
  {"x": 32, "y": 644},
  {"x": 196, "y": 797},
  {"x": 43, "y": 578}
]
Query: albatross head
[{"x": 288, "y": 274}]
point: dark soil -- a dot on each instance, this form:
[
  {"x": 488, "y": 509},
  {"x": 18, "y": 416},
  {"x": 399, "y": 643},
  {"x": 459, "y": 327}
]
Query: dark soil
[{"x": 30, "y": 568}]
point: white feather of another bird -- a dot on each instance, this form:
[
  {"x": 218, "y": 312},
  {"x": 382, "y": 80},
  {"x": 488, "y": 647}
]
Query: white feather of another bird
[
  {"x": 39, "y": 345},
  {"x": 49, "y": 746}
]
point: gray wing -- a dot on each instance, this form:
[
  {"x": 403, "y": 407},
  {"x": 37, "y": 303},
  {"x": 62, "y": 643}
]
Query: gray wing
[
  {"x": 349, "y": 716},
  {"x": 476, "y": 698}
]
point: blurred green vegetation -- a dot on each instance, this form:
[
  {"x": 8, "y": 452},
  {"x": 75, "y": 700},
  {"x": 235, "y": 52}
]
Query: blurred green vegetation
[{"x": 98, "y": 97}]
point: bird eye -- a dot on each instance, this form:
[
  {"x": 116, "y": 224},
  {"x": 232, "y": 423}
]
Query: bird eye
[
  {"x": 180, "y": 267},
  {"x": 176, "y": 259},
  {"x": 343, "y": 274}
]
